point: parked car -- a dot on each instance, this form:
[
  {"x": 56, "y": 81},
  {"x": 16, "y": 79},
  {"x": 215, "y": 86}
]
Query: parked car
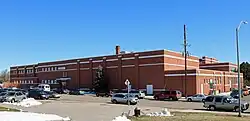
[
  {"x": 53, "y": 94},
  {"x": 136, "y": 93},
  {"x": 104, "y": 93},
  {"x": 197, "y": 97},
  {"x": 12, "y": 96},
  {"x": 235, "y": 93},
  {"x": 61, "y": 91},
  {"x": 22, "y": 90},
  {"x": 123, "y": 98},
  {"x": 44, "y": 87},
  {"x": 2, "y": 90},
  {"x": 2, "y": 94},
  {"x": 224, "y": 103},
  {"x": 87, "y": 91},
  {"x": 76, "y": 92},
  {"x": 171, "y": 95},
  {"x": 38, "y": 94}
]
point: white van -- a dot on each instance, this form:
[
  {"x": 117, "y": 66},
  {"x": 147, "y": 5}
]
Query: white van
[{"x": 44, "y": 87}]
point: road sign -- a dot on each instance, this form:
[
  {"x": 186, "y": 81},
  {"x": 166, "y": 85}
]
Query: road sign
[{"x": 127, "y": 82}]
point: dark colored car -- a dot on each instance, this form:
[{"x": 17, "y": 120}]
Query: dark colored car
[
  {"x": 61, "y": 91},
  {"x": 171, "y": 95},
  {"x": 52, "y": 94},
  {"x": 38, "y": 94},
  {"x": 3, "y": 90},
  {"x": 76, "y": 92},
  {"x": 104, "y": 93}
]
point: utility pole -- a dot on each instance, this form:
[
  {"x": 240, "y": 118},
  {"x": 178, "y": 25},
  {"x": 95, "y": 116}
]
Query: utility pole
[{"x": 185, "y": 56}]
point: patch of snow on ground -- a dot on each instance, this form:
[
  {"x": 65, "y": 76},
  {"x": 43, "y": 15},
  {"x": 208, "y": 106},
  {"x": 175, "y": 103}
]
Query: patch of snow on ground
[
  {"x": 26, "y": 102},
  {"x": 164, "y": 112},
  {"x": 26, "y": 116},
  {"x": 121, "y": 118}
]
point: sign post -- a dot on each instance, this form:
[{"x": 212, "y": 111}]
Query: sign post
[{"x": 128, "y": 83}]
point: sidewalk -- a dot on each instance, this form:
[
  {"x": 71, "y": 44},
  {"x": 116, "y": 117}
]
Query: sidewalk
[{"x": 146, "y": 110}]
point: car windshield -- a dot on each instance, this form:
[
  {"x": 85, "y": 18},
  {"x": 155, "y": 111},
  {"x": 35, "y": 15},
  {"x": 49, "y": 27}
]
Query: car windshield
[
  {"x": 129, "y": 95},
  {"x": 11, "y": 93}
]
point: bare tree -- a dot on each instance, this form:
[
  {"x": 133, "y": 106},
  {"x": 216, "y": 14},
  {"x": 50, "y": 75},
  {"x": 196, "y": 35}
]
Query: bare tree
[{"x": 5, "y": 75}]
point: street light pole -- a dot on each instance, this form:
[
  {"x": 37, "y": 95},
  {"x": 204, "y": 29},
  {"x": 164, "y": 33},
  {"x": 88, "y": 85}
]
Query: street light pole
[
  {"x": 185, "y": 56},
  {"x": 238, "y": 64}
]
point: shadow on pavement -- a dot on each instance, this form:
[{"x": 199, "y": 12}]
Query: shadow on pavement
[{"x": 118, "y": 103}]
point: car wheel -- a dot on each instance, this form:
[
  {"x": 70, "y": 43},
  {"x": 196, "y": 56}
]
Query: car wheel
[
  {"x": 106, "y": 95},
  {"x": 156, "y": 98},
  {"x": 189, "y": 100},
  {"x": 212, "y": 108},
  {"x": 114, "y": 101},
  {"x": 236, "y": 109},
  {"x": 97, "y": 95},
  {"x": 203, "y": 100},
  {"x": 137, "y": 96},
  {"x": 171, "y": 98},
  {"x": 12, "y": 100}
]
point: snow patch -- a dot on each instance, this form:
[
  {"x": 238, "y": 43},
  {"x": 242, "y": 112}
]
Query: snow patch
[
  {"x": 26, "y": 116},
  {"x": 26, "y": 102},
  {"x": 121, "y": 118},
  {"x": 164, "y": 112}
]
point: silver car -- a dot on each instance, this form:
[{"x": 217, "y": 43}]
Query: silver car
[
  {"x": 197, "y": 97},
  {"x": 12, "y": 96},
  {"x": 123, "y": 98},
  {"x": 224, "y": 103}
]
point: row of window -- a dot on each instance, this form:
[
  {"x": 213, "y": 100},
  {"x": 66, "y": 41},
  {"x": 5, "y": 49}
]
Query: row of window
[
  {"x": 29, "y": 71},
  {"x": 21, "y": 71},
  {"x": 218, "y": 80},
  {"x": 49, "y": 82},
  {"x": 215, "y": 81},
  {"x": 50, "y": 69},
  {"x": 23, "y": 82},
  {"x": 36, "y": 70}
]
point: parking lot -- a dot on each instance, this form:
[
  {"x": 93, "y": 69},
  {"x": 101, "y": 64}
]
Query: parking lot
[{"x": 91, "y": 108}]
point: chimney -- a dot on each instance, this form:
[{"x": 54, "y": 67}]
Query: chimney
[{"x": 117, "y": 50}]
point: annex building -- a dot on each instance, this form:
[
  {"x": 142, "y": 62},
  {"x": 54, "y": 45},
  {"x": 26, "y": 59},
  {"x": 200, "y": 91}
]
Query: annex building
[{"x": 158, "y": 69}]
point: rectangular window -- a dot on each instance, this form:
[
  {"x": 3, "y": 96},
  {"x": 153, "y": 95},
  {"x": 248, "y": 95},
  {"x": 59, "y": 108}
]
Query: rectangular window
[
  {"x": 25, "y": 81},
  {"x": 49, "y": 69},
  {"x": 31, "y": 81},
  {"x": 218, "y": 99},
  {"x": 209, "y": 99}
]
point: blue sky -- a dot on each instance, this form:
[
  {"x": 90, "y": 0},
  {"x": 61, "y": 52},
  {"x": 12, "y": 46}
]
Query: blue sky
[{"x": 34, "y": 31}]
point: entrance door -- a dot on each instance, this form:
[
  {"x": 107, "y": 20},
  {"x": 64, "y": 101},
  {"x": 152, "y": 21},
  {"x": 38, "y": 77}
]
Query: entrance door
[{"x": 63, "y": 84}]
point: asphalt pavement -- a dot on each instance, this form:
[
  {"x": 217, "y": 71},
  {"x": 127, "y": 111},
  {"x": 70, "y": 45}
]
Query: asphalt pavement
[{"x": 91, "y": 108}]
